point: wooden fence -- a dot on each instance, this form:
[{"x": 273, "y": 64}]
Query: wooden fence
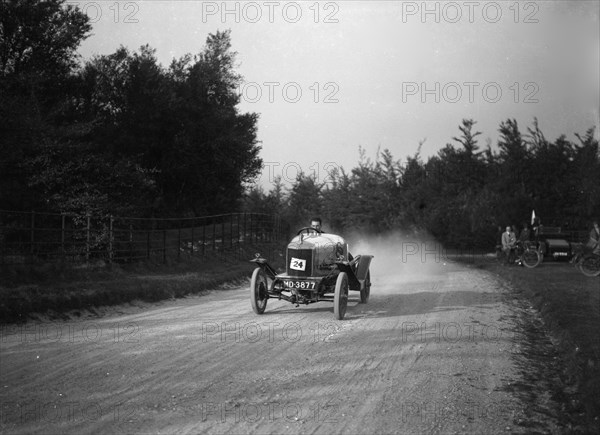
[{"x": 30, "y": 237}]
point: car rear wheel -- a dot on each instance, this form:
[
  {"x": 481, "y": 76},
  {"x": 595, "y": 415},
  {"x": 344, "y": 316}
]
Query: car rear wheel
[
  {"x": 590, "y": 265},
  {"x": 340, "y": 297},
  {"x": 258, "y": 291},
  {"x": 365, "y": 291},
  {"x": 531, "y": 258}
]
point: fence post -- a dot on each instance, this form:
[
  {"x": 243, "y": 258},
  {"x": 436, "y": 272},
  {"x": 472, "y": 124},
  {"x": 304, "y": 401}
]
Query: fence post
[
  {"x": 238, "y": 236},
  {"x": 148, "y": 243},
  {"x": 62, "y": 235},
  {"x": 192, "y": 253},
  {"x": 214, "y": 240},
  {"x": 251, "y": 233},
  {"x": 87, "y": 239},
  {"x": 179, "y": 240},
  {"x": 130, "y": 242},
  {"x": 231, "y": 231},
  {"x": 32, "y": 233},
  {"x": 203, "y": 236},
  {"x": 165, "y": 245},
  {"x": 244, "y": 228},
  {"x": 110, "y": 239},
  {"x": 222, "y": 234},
  {"x": 271, "y": 231}
]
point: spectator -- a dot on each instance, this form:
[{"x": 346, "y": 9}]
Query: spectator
[
  {"x": 508, "y": 243},
  {"x": 525, "y": 235}
]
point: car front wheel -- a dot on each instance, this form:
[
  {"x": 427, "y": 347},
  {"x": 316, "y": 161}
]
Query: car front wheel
[
  {"x": 340, "y": 298},
  {"x": 258, "y": 291}
]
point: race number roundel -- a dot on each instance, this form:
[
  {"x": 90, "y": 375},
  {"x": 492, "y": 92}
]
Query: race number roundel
[{"x": 297, "y": 264}]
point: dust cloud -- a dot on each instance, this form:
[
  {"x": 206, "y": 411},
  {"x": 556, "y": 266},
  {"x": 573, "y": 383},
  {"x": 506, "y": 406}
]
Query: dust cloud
[{"x": 402, "y": 263}]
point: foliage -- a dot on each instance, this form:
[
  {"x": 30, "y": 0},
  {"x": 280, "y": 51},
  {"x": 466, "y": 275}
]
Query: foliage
[
  {"x": 120, "y": 133},
  {"x": 462, "y": 194}
]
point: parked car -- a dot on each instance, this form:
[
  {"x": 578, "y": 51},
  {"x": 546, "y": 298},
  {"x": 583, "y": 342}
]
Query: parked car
[{"x": 553, "y": 244}]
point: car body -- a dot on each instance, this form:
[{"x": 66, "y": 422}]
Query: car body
[
  {"x": 553, "y": 244},
  {"x": 318, "y": 268}
]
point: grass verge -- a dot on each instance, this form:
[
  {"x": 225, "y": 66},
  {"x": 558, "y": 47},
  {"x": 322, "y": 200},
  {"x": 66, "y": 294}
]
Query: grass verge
[
  {"x": 56, "y": 289},
  {"x": 569, "y": 306}
]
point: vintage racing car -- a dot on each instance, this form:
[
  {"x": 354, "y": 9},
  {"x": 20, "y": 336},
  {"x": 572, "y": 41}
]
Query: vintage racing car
[{"x": 318, "y": 268}]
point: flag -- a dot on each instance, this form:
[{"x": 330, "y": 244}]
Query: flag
[{"x": 532, "y": 217}]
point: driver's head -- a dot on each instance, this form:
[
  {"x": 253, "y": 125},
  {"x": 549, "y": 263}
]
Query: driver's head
[{"x": 316, "y": 223}]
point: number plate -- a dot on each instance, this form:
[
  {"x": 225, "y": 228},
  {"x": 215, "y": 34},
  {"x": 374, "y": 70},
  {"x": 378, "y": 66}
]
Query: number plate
[{"x": 301, "y": 285}]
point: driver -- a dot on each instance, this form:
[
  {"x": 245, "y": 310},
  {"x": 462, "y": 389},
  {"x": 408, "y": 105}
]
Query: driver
[{"x": 316, "y": 223}]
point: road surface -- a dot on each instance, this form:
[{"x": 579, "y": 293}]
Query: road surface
[{"x": 432, "y": 352}]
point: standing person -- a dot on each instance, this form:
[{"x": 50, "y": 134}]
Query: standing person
[
  {"x": 538, "y": 228},
  {"x": 524, "y": 239},
  {"x": 594, "y": 242},
  {"x": 508, "y": 243}
]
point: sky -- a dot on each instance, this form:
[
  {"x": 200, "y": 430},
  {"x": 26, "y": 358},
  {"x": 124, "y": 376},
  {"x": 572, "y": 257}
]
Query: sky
[{"x": 330, "y": 78}]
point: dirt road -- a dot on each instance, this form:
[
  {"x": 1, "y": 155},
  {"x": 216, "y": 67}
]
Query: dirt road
[{"x": 432, "y": 352}]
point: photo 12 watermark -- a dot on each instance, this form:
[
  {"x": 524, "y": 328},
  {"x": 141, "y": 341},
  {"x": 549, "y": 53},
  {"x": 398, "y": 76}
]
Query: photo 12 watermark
[
  {"x": 270, "y": 12},
  {"x": 62, "y": 412},
  {"x": 268, "y": 332},
  {"x": 432, "y": 251},
  {"x": 289, "y": 92},
  {"x": 127, "y": 332},
  {"x": 448, "y": 411},
  {"x": 452, "y": 12},
  {"x": 452, "y": 332},
  {"x": 125, "y": 12},
  {"x": 470, "y": 92},
  {"x": 253, "y": 412},
  {"x": 290, "y": 171}
]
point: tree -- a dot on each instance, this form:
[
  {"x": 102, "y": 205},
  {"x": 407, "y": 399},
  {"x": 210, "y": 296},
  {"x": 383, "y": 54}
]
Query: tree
[
  {"x": 467, "y": 140},
  {"x": 305, "y": 200},
  {"x": 179, "y": 127},
  {"x": 215, "y": 151},
  {"x": 37, "y": 61},
  {"x": 40, "y": 38},
  {"x": 586, "y": 178}
]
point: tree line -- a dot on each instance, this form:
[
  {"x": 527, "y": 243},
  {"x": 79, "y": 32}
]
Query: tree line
[
  {"x": 122, "y": 135},
  {"x": 459, "y": 196},
  {"x": 117, "y": 134}
]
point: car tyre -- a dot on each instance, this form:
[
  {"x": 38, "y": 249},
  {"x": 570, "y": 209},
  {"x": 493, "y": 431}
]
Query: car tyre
[
  {"x": 258, "y": 291},
  {"x": 340, "y": 297},
  {"x": 365, "y": 291},
  {"x": 531, "y": 258},
  {"x": 590, "y": 265}
]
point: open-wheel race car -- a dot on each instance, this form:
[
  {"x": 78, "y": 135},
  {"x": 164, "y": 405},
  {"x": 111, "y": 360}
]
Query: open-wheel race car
[{"x": 318, "y": 268}]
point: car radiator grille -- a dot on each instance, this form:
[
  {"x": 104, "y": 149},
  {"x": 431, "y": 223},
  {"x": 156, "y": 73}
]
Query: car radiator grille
[{"x": 306, "y": 261}]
